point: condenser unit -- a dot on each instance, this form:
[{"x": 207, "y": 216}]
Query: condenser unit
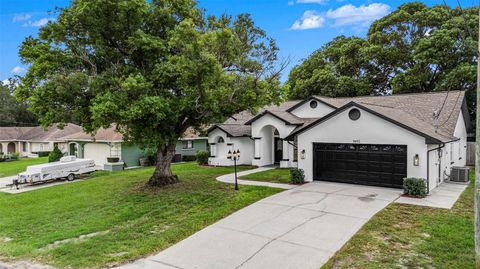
[{"x": 459, "y": 174}]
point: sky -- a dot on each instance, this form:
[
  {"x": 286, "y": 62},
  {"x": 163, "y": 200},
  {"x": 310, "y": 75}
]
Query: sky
[{"x": 299, "y": 26}]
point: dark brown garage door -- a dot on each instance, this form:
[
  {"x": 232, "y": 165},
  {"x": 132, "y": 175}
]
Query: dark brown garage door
[{"x": 379, "y": 165}]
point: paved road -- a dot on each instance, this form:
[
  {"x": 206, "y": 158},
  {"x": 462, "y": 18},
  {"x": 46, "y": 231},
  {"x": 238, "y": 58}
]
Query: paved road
[{"x": 298, "y": 228}]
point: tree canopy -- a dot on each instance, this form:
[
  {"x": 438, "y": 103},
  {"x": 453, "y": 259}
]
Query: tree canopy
[
  {"x": 415, "y": 48},
  {"x": 13, "y": 112},
  {"x": 152, "y": 69}
]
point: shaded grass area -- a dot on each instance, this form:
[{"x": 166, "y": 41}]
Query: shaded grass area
[
  {"x": 14, "y": 167},
  {"x": 132, "y": 222},
  {"x": 408, "y": 236},
  {"x": 278, "y": 175}
]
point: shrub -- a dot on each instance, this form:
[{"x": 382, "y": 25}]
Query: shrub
[
  {"x": 42, "y": 153},
  {"x": 202, "y": 157},
  {"x": 415, "y": 187},
  {"x": 151, "y": 155},
  {"x": 297, "y": 176},
  {"x": 55, "y": 155},
  {"x": 15, "y": 156},
  {"x": 188, "y": 158}
]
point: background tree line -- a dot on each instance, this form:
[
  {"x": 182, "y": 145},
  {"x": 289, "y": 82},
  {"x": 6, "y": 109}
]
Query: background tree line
[
  {"x": 12, "y": 111},
  {"x": 416, "y": 48}
]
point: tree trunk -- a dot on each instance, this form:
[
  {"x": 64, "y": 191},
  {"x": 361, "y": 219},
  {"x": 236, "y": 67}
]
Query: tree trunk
[{"x": 162, "y": 175}]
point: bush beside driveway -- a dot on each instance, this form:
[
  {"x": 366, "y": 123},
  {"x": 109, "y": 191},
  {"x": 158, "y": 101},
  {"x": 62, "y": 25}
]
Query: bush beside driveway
[{"x": 110, "y": 219}]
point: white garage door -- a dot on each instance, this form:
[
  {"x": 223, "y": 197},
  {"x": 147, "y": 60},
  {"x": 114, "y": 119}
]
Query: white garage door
[{"x": 97, "y": 152}]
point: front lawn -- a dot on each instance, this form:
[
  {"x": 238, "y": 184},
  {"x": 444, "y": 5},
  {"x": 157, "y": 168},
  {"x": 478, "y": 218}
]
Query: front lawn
[
  {"x": 408, "y": 236},
  {"x": 124, "y": 221},
  {"x": 278, "y": 175},
  {"x": 14, "y": 167}
]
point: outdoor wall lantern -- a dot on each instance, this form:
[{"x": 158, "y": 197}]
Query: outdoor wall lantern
[
  {"x": 235, "y": 155},
  {"x": 302, "y": 154},
  {"x": 416, "y": 160}
]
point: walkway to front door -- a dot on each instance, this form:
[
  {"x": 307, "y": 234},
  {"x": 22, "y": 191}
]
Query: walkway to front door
[{"x": 298, "y": 228}]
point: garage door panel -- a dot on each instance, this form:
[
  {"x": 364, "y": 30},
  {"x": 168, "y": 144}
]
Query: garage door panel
[{"x": 383, "y": 165}]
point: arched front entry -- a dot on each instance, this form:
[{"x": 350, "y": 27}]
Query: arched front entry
[
  {"x": 11, "y": 148},
  {"x": 271, "y": 146}
]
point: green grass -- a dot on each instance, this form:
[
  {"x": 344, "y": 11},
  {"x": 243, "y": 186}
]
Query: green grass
[
  {"x": 279, "y": 175},
  {"x": 14, "y": 167},
  {"x": 136, "y": 222},
  {"x": 407, "y": 236}
]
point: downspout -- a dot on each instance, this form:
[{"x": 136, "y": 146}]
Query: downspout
[{"x": 440, "y": 146}]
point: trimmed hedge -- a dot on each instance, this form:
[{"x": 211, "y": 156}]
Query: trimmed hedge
[
  {"x": 415, "y": 187},
  {"x": 297, "y": 176},
  {"x": 202, "y": 157},
  {"x": 188, "y": 158}
]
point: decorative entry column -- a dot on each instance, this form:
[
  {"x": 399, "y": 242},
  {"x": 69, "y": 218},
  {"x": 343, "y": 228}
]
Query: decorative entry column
[
  {"x": 256, "y": 151},
  {"x": 285, "y": 162}
]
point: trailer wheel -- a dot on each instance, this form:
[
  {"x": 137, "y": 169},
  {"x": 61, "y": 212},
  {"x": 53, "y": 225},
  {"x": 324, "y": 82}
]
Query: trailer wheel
[{"x": 70, "y": 177}]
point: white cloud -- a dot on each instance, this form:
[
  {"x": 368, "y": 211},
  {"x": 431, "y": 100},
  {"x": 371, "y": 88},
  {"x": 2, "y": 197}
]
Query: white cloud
[
  {"x": 352, "y": 15},
  {"x": 291, "y": 3},
  {"x": 309, "y": 20},
  {"x": 21, "y": 17},
  {"x": 18, "y": 70},
  {"x": 39, "y": 23},
  {"x": 5, "y": 82}
]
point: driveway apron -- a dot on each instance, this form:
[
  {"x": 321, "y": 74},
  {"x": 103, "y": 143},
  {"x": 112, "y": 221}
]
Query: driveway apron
[{"x": 298, "y": 228}]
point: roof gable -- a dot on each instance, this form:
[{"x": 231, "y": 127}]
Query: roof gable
[{"x": 426, "y": 132}]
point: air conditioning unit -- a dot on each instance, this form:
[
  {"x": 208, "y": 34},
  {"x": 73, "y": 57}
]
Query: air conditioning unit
[{"x": 459, "y": 174}]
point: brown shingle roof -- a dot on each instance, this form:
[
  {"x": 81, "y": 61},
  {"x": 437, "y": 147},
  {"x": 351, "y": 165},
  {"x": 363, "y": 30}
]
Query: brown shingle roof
[
  {"x": 418, "y": 105},
  {"x": 38, "y": 133},
  {"x": 102, "y": 134},
  {"x": 414, "y": 111}
]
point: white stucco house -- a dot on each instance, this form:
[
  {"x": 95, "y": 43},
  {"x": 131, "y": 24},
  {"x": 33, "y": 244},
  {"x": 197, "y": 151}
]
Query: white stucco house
[{"x": 371, "y": 140}]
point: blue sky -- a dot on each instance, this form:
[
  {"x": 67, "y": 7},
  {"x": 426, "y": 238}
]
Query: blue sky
[{"x": 299, "y": 26}]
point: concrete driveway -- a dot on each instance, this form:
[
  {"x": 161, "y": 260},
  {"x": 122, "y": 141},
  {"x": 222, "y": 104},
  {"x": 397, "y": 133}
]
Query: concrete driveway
[{"x": 298, "y": 228}]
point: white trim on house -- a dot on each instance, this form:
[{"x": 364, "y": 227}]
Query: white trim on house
[{"x": 325, "y": 123}]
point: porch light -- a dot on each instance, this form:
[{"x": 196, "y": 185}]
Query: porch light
[
  {"x": 416, "y": 160},
  {"x": 302, "y": 154},
  {"x": 229, "y": 154}
]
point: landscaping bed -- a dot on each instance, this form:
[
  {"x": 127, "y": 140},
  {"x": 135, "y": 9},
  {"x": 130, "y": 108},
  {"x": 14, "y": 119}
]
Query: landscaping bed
[
  {"x": 408, "y": 236},
  {"x": 111, "y": 219}
]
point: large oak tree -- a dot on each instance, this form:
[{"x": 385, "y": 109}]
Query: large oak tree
[
  {"x": 415, "y": 48},
  {"x": 152, "y": 69}
]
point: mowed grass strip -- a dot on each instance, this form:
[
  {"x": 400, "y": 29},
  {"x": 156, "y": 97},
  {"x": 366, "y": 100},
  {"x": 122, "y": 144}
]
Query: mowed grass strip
[
  {"x": 408, "y": 236},
  {"x": 12, "y": 168},
  {"x": 278, "y": 175},
  {"x": 131, "y": 222}
]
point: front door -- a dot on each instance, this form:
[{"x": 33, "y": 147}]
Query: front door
[{"x": 278, "y": 149}]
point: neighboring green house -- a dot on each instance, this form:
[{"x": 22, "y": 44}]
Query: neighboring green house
[
  {"x": 188, "y": 146},
  {"x": 106, "y": 143}
]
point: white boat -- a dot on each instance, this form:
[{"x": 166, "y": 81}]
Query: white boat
[{"x": 68, "y": 167}]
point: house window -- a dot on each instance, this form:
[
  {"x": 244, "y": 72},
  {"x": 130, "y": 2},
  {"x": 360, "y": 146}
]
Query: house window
[
  {"x": 220, "y": 140},
  {"x": 24, "y": 146},
  {"x": 188, "y": 144}
]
